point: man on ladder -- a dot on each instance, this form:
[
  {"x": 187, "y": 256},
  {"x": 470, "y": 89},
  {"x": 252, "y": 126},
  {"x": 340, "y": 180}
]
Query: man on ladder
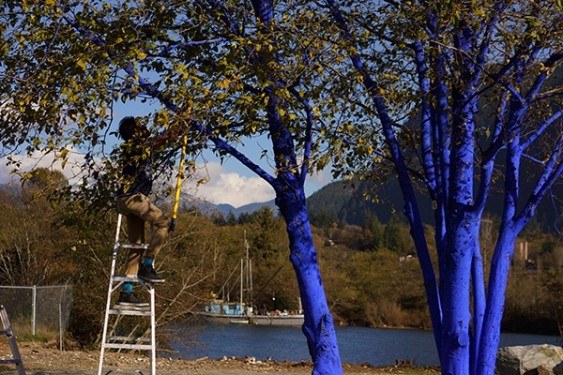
[
  {"x": 137, "y": 152},
  {"x": 133, "y": 202}
]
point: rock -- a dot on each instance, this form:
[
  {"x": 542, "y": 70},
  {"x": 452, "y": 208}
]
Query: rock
[
  {"x": 251, "y": 360},
  {"x": 529, "y": 360}
]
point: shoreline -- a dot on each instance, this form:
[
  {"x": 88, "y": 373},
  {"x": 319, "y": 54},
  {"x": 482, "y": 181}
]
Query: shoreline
[{"x": 47, "y": 359}]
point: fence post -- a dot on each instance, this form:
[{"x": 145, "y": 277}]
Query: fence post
[
  {"x": 60, "y": 327},
  {"x": 33, "y": 308}
]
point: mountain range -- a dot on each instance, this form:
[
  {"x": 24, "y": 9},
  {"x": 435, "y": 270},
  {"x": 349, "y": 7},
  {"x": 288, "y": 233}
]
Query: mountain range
[{"x": 345, "y": 203}]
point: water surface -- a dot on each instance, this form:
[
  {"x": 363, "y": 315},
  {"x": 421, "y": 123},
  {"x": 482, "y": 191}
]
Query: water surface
[{"x": 377, "y": 347}]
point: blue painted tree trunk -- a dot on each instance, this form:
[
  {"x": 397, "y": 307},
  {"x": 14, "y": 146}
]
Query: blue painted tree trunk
[
  {"x": 455, "y": 297},
  {"x": 318, "y": 327},
  {"x": 490, "y": 336},
  {"x": 290, "y": 198}
]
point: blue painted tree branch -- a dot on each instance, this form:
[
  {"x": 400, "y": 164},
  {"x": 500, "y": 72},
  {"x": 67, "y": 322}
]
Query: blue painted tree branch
[
  {"x": 411, "y": 210},
  {"x": 477, "y": 273},
  {"x": 309, "y": 133},
  {"x": 426, "y": 120},
  {"x": 540, "y": 79},
  {"x": 479, "y": 307},
  {"x": 542, "y": 129},
  {"x": 552, "y": 171},
  {"x": 512, "y": 221}
]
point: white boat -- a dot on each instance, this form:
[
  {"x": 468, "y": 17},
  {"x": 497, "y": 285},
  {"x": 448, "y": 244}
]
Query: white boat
[{"x": 222, "y": 310}]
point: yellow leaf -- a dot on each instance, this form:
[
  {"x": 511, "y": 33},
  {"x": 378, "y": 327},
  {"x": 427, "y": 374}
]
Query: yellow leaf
[
  {"x": 224, "y": 83},
  {"x": 81, "y": 64}
]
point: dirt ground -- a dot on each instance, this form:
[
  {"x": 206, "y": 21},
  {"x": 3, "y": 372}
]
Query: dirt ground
[{"x": 46, "y": 359}]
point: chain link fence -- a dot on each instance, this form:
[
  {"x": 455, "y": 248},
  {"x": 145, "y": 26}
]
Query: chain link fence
[{"x": 38, "y": 310}]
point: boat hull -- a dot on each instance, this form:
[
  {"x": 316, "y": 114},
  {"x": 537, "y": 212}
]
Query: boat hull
[
  {"x": 259, "y": 320},
  {"x": 286, "y": 320}
]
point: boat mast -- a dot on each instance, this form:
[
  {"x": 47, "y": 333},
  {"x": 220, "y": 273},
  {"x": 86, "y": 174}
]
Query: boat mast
[
  {"x": 248, "y": 271},
  {"x": 241, "y": 287}
]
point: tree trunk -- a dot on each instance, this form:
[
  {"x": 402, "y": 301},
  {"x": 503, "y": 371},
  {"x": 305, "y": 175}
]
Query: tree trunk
[
  {"x": 495, "y": 302},
  {"x": 455, "y": 293},
  {"x": 318, "y": 327}
]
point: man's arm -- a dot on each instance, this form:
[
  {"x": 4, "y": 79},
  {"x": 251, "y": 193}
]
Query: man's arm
[{"x": 172, "y": 133}]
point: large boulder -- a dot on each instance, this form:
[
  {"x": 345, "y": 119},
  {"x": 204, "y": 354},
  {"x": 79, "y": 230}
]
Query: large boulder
[{"x": 529, "y": 360}]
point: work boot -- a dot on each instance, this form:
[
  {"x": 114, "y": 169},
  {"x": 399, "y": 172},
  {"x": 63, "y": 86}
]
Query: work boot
[
  {"x": 148, "y": 274},
  {"x": 128, "y": 299}
]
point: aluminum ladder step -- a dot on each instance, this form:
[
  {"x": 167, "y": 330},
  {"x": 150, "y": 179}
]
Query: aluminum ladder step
[
  {"x": 129, "y": 312},
  {"x": 127, "y": 338},
  {"x": 128, "y": 346}
]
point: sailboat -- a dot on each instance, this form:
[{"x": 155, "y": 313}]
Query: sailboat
[{"x": 221, "y": 310}]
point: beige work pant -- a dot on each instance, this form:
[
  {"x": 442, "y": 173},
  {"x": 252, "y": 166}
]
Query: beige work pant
[{"x": 138, "y": 209}]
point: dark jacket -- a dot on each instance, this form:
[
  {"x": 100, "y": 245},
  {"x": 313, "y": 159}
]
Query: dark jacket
[{"x": 137, "y": 170}]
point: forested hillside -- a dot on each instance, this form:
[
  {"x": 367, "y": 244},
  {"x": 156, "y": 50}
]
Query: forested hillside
[
  {"x": 359, "y": 202},
  {"x": 369, "y": 272}
]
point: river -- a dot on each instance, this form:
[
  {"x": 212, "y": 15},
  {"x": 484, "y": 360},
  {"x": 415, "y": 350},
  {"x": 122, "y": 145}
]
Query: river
[{"x": 378, "y": 347}]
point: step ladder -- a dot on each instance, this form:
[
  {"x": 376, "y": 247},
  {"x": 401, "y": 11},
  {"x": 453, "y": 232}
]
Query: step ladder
[
  {"x": 16, "y": 357},
  {"x": 111, "y": 341}
]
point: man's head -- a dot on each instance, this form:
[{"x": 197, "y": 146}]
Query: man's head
[{"x": 130, "y": 128}]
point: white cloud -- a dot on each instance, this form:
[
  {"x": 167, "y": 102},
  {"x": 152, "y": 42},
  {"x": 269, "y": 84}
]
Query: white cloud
[
  {"x": 317, "y": 180},
  {"x": 38, "y": 159},
  {"x": 224, "y": 186},
  {"x": 232, "y": 188}
]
